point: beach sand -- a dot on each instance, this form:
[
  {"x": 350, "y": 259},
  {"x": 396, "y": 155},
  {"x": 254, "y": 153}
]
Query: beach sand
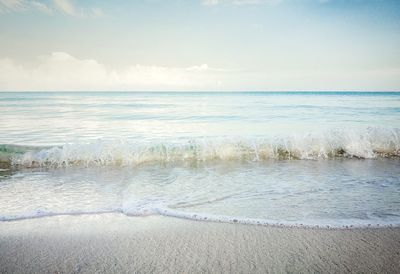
[{"x": 112, "y": 243}]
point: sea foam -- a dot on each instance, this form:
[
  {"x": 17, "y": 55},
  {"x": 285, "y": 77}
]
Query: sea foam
[
  {"x": 371, "y": 143},
  {"x": 324, "y": 224}
]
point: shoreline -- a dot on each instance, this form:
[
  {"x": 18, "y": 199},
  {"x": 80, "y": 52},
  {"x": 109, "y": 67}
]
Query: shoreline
[
  {"x": 209, "y": 218},
  {"x": 111, "y": 243}
]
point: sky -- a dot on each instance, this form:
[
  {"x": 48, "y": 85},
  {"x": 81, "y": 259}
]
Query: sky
[{"x": 200, "y": 45}]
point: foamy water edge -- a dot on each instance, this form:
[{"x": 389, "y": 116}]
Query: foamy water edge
[{"x": 166, "y": 212}]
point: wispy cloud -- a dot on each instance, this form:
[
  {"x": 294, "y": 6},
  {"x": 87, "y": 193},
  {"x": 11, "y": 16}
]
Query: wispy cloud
[
  {"x": 41, "y": 7},
  {"x": 239, "y": 2},
  {"x": 249, "y": 2},
  {"x": 13, "y": 6},
  {"x": 211, "y": 2},
  {"x": 67, "y": 7}
]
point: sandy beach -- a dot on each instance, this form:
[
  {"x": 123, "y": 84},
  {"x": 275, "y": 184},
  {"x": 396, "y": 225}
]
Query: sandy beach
[
  {"x": 112, "y": 243},
  {"x": 199, "y": 136}
]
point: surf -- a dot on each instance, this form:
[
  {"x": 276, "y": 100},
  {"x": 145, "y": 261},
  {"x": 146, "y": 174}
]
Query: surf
[{"x": 369, "y": 144}]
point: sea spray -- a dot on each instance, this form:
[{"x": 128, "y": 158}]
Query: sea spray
[{"x": 371, "y": 143}]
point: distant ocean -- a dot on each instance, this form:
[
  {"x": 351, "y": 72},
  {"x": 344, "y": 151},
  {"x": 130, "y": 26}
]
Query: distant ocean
[{"x": 278, "y": 158}]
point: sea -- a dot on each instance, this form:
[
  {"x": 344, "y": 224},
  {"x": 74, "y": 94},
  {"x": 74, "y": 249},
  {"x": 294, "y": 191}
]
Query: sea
[{"x": 314, "y": 159}]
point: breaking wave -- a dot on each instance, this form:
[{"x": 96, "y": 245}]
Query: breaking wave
[{"x": 371, "y": 143}]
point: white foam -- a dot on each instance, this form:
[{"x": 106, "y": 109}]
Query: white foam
[
  {"x": 43, "y": 213},
  {"x": 366, "y": 144},
  {"x": 167, "y": 212}
]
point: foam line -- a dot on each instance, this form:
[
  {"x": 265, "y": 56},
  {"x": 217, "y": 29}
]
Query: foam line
[{"x": 372, "y": 143}]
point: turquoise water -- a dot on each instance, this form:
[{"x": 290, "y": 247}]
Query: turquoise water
[{"x": 291, "y": 158}]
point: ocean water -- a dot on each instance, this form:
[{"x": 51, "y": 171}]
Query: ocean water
[{"x": 286, "y": 158}]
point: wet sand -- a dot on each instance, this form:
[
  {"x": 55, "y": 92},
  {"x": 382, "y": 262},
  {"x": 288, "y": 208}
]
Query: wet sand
[{"x": 113, "y": 243}]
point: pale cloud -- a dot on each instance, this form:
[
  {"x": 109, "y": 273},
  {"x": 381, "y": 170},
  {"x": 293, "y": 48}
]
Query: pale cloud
[
  {"x": 61, "y": 71},
  {"x": 239, "y": 2},
  {"x": 249, "y": 2},
  {"x": 210, "y": 2},
  {"x": 67, "y": 7},
  {"x": 41, "y": 7},
  {"x": 13, "y": 6},
  {"x": 9, "y": 6},
  {"x": 255, "y": 2}
]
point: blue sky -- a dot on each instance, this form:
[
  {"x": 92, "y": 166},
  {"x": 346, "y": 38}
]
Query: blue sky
[{"x": 200, "y": 45}]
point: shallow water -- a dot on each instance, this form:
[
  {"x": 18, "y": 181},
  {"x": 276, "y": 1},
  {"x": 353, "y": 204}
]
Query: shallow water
[{"x": 292, "y": 158}]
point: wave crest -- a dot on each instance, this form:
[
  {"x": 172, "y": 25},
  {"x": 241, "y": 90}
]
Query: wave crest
[{"x": 371, "y": 143}]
